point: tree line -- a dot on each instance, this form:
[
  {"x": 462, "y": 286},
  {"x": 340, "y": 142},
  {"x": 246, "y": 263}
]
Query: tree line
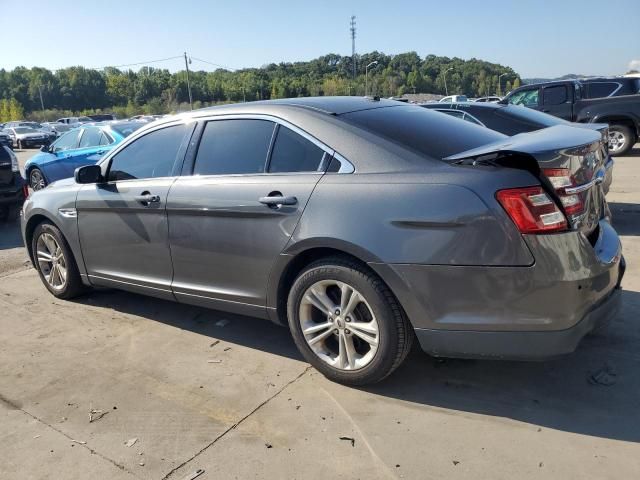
[{"x": 79, "y": 90}]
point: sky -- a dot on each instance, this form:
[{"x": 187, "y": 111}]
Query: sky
[{"x": 535, "y": 38}]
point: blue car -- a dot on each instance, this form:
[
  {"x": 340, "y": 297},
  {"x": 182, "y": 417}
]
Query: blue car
[{"x": 78, "y": 147}]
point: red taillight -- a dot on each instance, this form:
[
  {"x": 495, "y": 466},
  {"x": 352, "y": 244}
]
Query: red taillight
[
  {"x": 561, "y": 178},
  {"x": 532, "y": 210},
  {"x": 25, "y": 190}
]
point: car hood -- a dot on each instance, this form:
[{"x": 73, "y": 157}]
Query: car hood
[{"x": 65, "y": 182}]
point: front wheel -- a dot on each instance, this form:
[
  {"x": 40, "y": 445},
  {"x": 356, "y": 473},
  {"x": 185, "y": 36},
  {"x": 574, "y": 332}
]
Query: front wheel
[
  {"x": 621, "y": 139},
  {"x": 347, "y": 323},
  {"x": 36, "y": 180}
]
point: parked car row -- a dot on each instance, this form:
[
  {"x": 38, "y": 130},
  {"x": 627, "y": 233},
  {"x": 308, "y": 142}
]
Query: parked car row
[{"x": 361, "y": 224}]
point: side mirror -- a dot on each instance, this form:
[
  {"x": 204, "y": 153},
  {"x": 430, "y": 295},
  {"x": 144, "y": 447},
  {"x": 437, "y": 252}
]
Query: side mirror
[{"x": 88, "y": 174}]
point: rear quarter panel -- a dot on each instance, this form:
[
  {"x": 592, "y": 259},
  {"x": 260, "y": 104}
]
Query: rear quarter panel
[{"x": 411, "y": 218}]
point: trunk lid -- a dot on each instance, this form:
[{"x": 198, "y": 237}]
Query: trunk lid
[{"x": 568, "y": 161}]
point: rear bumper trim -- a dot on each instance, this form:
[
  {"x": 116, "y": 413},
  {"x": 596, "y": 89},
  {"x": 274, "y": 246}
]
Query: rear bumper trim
[{"x": 538, "y": 345}]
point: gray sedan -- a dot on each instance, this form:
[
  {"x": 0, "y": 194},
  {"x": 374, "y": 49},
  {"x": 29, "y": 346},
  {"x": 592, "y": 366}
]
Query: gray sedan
[{"x": 361, "y": 224}]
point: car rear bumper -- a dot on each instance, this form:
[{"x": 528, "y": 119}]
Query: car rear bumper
[
  {"x": 12, "y": 194},
  {"x": 517, "y": 345},
  {"x": 530, "y": 312}
]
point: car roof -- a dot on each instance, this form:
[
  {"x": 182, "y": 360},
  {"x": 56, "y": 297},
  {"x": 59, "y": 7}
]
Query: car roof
[
  {"x": 328, "y": 105},
  {"x": 462, "y": 105}
]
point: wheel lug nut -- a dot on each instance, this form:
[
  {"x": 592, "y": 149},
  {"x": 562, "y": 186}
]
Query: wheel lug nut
[
  {"x": 348, "y": 319},
  {"x": 337, "y": 312},
  {"x": 347, "y": 331}
]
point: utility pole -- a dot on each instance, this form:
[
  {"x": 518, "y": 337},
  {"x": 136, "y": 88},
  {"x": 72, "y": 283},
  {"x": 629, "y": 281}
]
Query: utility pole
[
  {"x": 353, "y": 44},
  {"x": 366, "y": 76},
  {"x": 186, "y": 64},
  {"x": 41, "y": 103},
  {"x": 500, "y": 83},
  {"x": 446, "y": 90}
]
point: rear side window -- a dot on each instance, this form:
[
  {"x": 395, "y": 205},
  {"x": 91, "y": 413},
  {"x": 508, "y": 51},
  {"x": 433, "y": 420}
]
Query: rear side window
[
  {"x": 422, "y": 130},
  {"x": 294, "y": 153},
  {"x": 90, "y": 138},
  {"x": 601, "y": 89},
  {"x": 233, "y": 147},
  {"x": 104, "y": 139},
  {"x": 150, "y": 156},
  {"x": 555, "y": 95}
]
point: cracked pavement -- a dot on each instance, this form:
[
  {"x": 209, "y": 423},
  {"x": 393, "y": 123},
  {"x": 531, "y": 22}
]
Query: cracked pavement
[{"x": 239, "y": 402}]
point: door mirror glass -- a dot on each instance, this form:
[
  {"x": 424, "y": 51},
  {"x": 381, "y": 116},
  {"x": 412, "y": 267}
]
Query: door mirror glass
[{"x": 88, "y": 174}]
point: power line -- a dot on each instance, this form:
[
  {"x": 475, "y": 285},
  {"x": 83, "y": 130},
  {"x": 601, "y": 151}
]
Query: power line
[
  {"x": 214, "y": 64},
  {"x": 144, "y": 63}
]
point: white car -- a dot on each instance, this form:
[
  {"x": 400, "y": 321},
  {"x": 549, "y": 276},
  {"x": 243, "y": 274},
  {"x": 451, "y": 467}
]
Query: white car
[
  {"x": 490, "y": 99},
  {"x": 454, "y": 99}
]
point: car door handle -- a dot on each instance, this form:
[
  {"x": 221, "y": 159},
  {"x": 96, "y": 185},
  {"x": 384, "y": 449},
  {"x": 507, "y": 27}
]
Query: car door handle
[
  {"x": 278, "y": 200},
  {"x": 146, "y": 199},
  {"x": 100, "y": 152}
]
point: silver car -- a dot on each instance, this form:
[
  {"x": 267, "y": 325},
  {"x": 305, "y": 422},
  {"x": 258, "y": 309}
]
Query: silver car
[{"x": 361, "y": 224}]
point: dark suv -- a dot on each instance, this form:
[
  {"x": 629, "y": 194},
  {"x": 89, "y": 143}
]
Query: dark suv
[
  {"x": 13, "y": 188},
  {"x": 574, "y": 100}
]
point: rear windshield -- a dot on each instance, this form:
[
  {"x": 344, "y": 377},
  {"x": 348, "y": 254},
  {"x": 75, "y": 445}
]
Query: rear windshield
[
  {"x": 424, "y": 131},
  {"x": 24, "y": 130},
  {"x": 126, "y": 129},
  {"x": 530, "y": 115}
]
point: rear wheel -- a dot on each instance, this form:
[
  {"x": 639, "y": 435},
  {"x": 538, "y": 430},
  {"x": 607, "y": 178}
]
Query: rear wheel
[
  {"x": 621, "y": 139},
  {"x": 55, "y": 263},
  {"x": 36, "y": 180},
  {"x": 347, "y": 323}
]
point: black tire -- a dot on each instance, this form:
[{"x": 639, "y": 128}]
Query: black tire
[
  {"x": 625, "y": 138},
  {"x": 33, "y": 182},
  {"x": 395, "y": 332},
  {"x": 73, "y": 285}
]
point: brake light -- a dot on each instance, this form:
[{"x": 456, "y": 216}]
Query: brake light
[
  {"x": 561, "y": 178},
  {"x": 25, "y": 190},
  {"x": 532, "y": 210}
]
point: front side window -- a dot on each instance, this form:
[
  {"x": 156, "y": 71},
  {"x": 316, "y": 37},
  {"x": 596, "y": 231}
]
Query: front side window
[
  {"x": 294, "y": 153},
  {"x": 90, "y": 138},
  {"x": 555, "y": 95},
  {"x": 233, "y": 147},
  {"x": 68, "y": 141},
  {"x": 528, "y": 98},
  {"x": 150, "y": 156}
]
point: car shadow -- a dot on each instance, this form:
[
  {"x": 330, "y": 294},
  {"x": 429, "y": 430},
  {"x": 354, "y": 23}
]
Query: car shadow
[
  {"x": 594, "y": 391},
  {"x": 10, "y": 236}
]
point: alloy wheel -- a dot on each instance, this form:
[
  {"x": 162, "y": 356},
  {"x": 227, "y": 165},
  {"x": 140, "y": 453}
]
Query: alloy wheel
[
  {"x": 36, "y": 180},
  {"x": 339, "y": 325},
  {"x": 617, "y": 141},
  {"x": 51, "y": 261}
]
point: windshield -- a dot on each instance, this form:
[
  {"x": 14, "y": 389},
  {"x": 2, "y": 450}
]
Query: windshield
[
  {"x": 24, "y": 130},
  {"x": 422, "y": 130}
]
